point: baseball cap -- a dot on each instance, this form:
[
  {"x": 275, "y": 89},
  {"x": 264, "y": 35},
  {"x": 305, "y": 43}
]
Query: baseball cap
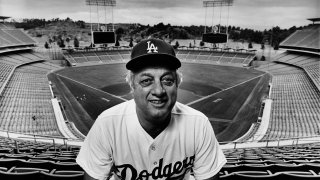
[{"x": 153, "y": 52}]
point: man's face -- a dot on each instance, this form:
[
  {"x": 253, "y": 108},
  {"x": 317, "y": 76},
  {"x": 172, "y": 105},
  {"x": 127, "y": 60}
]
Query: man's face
[{"x": 155, "y": 93}]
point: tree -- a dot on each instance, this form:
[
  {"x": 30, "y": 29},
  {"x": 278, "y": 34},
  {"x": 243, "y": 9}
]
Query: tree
[
  {"x": 119, "y": 32},
  {"x": 117, "y": 43},
  {"x": 176, "y": 45},
  {"x": 276, "y": 46},
  {"x": 60, "y": 43},
  {"x": 68, "y": 40},
  {"x": 131, "y": 42},
  {"x": 75, "y": 42},
  {"x": 46, "y": 45}
]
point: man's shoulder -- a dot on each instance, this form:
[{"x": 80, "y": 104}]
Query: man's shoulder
[
  {"x": 122, "y": 109},
  {"x": 182, "y": 109}
]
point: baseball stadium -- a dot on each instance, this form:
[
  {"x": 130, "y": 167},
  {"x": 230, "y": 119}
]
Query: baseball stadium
[{"x": 265, "y": 114}]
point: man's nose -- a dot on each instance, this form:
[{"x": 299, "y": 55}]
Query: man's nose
[{"x": 158, "y": 89}]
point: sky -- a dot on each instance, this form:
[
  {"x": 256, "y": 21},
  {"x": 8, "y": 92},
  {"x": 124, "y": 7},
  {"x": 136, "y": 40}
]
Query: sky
[{"x": 254, "y": 14}]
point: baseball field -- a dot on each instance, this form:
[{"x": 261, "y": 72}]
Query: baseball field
[{"x": 220, "y": 92}]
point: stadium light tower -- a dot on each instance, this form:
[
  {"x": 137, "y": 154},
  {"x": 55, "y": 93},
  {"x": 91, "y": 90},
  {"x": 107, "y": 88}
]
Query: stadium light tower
[
  {"x": 101, "y": 3},
  {"x": 216, "y": 31},
  {"x": 216, "y": 3}
]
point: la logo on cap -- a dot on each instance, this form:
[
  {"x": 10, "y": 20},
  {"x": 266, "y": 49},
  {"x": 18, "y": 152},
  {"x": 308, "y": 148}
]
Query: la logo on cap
[{"x": 152, "y": 48}]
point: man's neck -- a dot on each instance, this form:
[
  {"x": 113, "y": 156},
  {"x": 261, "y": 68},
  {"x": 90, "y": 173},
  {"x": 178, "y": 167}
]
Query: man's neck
[{"x": 154, "y": 129}]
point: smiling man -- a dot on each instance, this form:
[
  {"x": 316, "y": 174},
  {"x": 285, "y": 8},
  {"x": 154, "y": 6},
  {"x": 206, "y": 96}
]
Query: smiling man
[{"x": 152, "y": 136}]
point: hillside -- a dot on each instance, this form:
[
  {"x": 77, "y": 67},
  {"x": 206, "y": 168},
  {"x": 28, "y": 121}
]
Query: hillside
[{"x": 63, "y": 29}]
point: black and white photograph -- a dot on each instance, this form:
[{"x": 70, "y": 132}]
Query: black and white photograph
[{"x": 159, "y": 89}]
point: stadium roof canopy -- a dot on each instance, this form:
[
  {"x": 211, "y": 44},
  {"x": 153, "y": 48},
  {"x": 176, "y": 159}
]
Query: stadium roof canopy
[
  {"x": 314, "y": 20},
  {"x": 4, "y": 17}
]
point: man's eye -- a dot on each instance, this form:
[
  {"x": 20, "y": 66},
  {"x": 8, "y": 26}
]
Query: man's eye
[
  {"x": 145, "y": 82},
  {"x": 168, "y": 81}
]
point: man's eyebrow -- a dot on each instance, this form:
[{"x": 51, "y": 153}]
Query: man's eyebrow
[
  {"x": 145, "y": 74},
  {"x": 168, "y": 73},
  {"x": 164, "y": 74}
]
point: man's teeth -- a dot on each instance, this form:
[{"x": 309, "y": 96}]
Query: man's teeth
[{"x": 156, "y": 102}]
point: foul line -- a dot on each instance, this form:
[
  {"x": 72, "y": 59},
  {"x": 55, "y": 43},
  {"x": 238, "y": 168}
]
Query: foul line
[
  {"x": 209, "y": 96},
  {"x": 93, "y": 88}
]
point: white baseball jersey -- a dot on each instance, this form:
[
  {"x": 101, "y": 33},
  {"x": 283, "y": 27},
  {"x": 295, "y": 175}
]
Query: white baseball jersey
[{"x": 117, "y": 140}]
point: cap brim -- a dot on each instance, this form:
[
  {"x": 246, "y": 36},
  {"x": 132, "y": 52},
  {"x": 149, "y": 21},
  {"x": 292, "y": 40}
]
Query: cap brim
[{"x": 149, "y": 60}]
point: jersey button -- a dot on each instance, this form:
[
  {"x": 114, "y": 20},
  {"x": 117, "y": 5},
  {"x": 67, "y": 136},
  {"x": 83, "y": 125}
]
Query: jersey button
[
  {"x": 155, "y": 163},
  {"x": 153, "y": 148}
]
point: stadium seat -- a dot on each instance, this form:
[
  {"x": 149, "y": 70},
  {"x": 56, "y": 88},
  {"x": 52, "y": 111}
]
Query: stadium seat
[
  {"x": 37, "y": 164},
  {"x": 22, "y": 170},
  {"x": 66, "y": 166},
  {"x": 20, "y": 156},
  {"x": 63, "y": 159},
  {"x": 253, "y": 175},
  {"x": 5, "y": 150},
  {"x": 49, "y": 176},
  {"x": 297, "y": 175},
  {"x": 69, "y": 172},
  {"x": 244, "y": 175},
  {"x": 3, "y": 169},
  {"x": 8, "y": 163},
  {"x": 20, "y": 175}
]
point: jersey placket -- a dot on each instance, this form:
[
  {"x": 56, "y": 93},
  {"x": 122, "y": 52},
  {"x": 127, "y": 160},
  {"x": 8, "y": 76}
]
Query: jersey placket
[
  {"x": 153, "y": 155},
  {"x": 155, "y": 163}
]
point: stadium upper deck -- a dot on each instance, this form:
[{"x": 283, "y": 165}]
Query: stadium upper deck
[
  {"x": 306, "y": 39},
  {"x": 12, "y": 37}
]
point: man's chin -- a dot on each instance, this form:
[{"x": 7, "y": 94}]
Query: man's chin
[{"x": 160, "y": 114}]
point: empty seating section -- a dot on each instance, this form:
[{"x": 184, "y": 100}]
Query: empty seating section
[
  {"x": 238, "y": 60},
  {"x": 33, "y": 160},
  {"x": 125, "y": 54},
  {"x": 314, "y": 73},
  {"x": 91, "y": 56},
  {"x": 277, "y": 69},
  {"x": 307, "y": 38},
  {"x": 295, "y": 37},
  {"x": 106, "y": 56},
  {"x": 45, "y": 160},
  {"x": 301, "y": 162},
  {"x": 5, "y": 70},
  {"x": 219, "y": 57},
  {"x": 225, "y": 60},
  {"x": 114, "y": 55},
  {"x": 181, "y": 54},
  {"x": 17, "y": 33},
  {"x": 111, "y": 56},
  {"x": 191, "y": 57},
  {"x": 4, "y": 26},
  {"x": 14, "y": 37},
  {"x": 25, "y": 105},
  {"x": 8, "y": 40},
  {"x": 81, "y": 59},
  {"x": 310, "y": 63},
  {"x": 296, "y": 103},
  {"x": 20, "y": 58}
]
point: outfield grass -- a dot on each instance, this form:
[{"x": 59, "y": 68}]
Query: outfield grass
[
  {"x": 225, "y": 104},
  {"x": 220, "y": 77}
]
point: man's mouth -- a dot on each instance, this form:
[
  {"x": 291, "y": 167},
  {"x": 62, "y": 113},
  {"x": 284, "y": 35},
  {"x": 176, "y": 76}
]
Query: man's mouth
[{"x": 157, "y": 102}]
